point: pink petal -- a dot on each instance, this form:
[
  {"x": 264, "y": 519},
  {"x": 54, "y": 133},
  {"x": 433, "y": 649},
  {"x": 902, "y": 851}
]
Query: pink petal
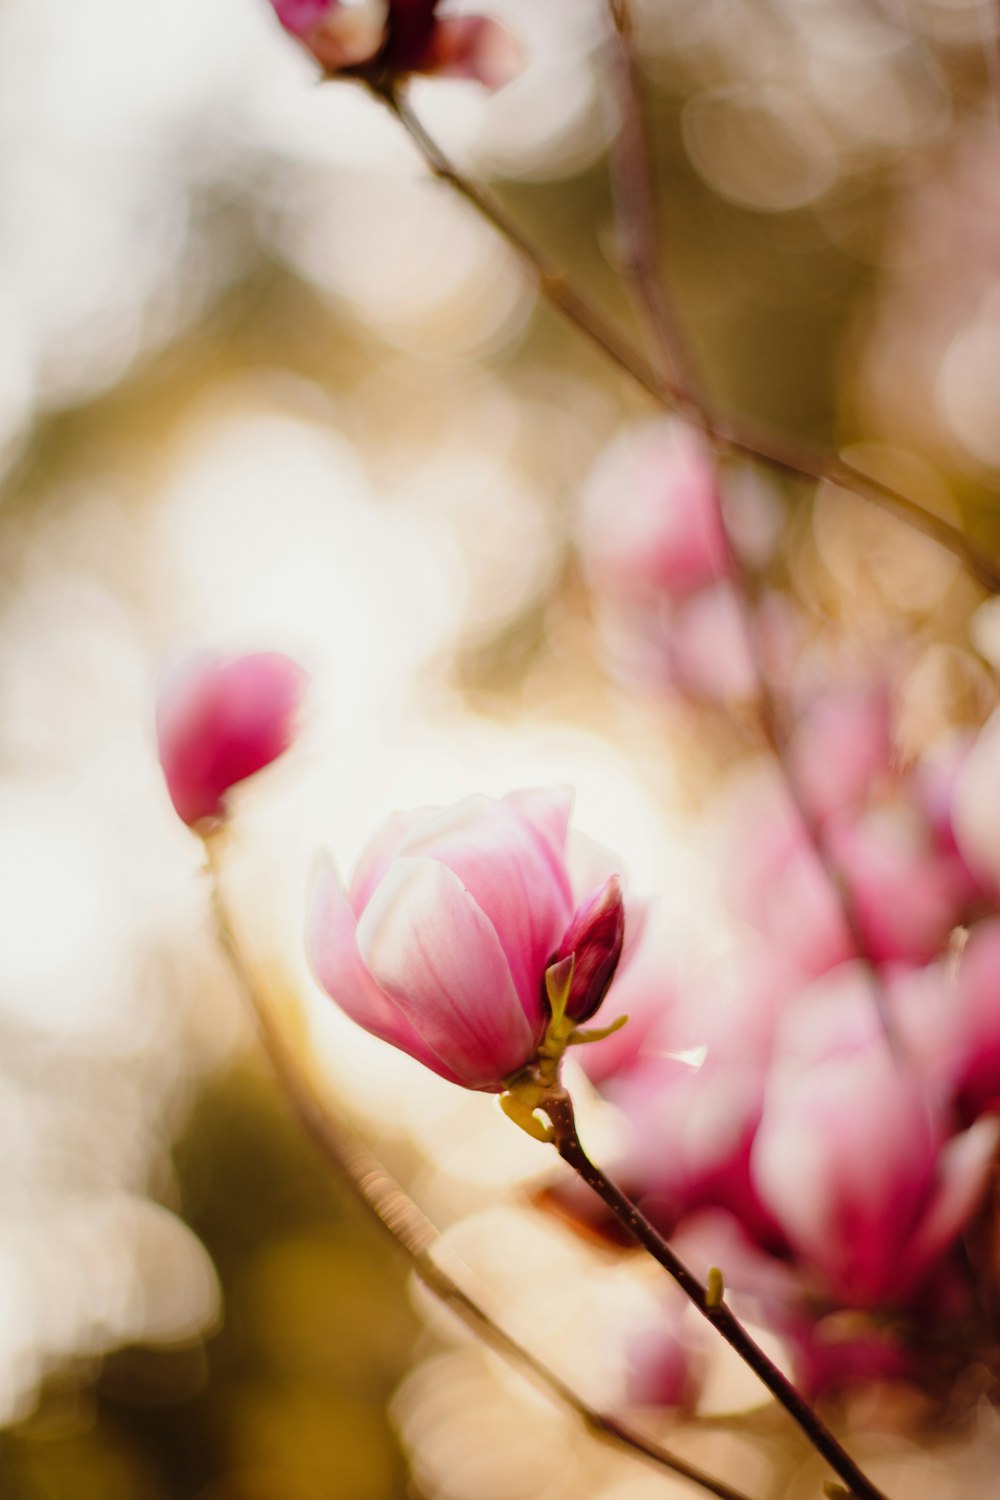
[
  {"x": 548, "y": 811},
  {"x": 594, "y": 938},
  {"x": 963, "y": 1171},
  {"x": 333, "y": 949},
  {"x": 475, "y": 47},
  {"x": 380, "y": 853},
  {"x": 432, "y": 950},
  {"x": 506, "y": 856},
  {"x": 220, "y": 720},
  {"x": 843, "y": 1158}
]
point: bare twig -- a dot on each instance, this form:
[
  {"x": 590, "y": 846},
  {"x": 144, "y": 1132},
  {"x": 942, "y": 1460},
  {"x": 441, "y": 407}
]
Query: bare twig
[
  {"x": 400, "y": 1217},
  {"x": 708, "y": 1300},
  {"x": 776, "y": 452}
]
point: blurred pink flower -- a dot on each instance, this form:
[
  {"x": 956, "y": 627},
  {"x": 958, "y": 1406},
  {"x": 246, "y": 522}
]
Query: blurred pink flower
[
  {"x": 975, "y": 1016},
  {"x": 842, "y": 747},
  {"x": 220, "y": 719},
  {"x": 645, "y": 990},
  {"x": 907, "y": 890},
  {"x": 908, "y": 894},
  {"x": 390, "y": 38},
  {"x": 693, "y": 1096},
  {"x": 843, "y": 1350},
  {"x": 853, "y": 1160},
  {"x": 667, "y": 1359},
  {"x": 651, "y": 523},
  {"x": 441, "y": 944}
]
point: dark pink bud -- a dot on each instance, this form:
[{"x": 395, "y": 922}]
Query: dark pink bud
[
  {"x": 594, "y": 939},
  {"x": 380, "y": 39},
  {"x": 218, "y": 720}
]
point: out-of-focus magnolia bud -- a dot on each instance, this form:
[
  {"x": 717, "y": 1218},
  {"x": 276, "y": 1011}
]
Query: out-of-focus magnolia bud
[
  {"x": 387, "y": 39},
  {"x": 594, "y": 941},
  {"x": 441, "y": 942},
  {"x": 667, "y": 1360},
  {"x": 218, "y": 721},
  {"x": 338, "y": 36}
]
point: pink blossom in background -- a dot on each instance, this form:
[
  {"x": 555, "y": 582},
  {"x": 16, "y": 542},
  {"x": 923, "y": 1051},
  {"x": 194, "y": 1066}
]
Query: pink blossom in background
[
  {"x": 907, "y": 896},
  {"x": 650, "y": 521},
  {"x": 441, "y": 942},
  {"x": 854, "y": 1162},
  {"x": 842, "y": 747},
  {"x": 775, "y": 880},
  {"x": 645, "y": 990},
  {"x": 842, "y": 1350},
  {"x": 655, "y": 555},
  {"x": 221, "y": 719},
  {"x": 391, "y": 38},
  {"x": 691, "y": 1085},
  {"x": 667, "y": 1359}
]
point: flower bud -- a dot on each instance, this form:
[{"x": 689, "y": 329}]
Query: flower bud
[
  {"x": 594, "y": 941},
  {"x": 218, "y": 721},
  {"x": 379, "y": 39},
  {"x": 338, "y": 36}
]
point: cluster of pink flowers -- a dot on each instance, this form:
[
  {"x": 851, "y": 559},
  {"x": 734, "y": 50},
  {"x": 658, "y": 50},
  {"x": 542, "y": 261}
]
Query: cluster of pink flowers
[
  {"x": 817, "y": 1110},
  {"x": 455, "y": 917},
  {"x": 821, "y": 1123}
]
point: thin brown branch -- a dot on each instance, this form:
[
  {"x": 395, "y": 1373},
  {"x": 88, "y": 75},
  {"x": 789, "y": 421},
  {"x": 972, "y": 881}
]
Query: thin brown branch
[
  {"x": 559, "y": 1108},
  {"x": 777, "y": 452},
  {"x": 397, "y": 1214}
]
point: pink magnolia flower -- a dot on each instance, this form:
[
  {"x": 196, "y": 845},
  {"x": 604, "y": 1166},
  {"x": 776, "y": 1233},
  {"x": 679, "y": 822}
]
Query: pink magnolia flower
[
  {"x": 855, "y": 1163},
  {"x": 441, "y": 943},
  {"x": 651, "y": 523},
  {"x": 907, "y": 892},
  {"x": 390, "y": 38},
  {"x": 667, "y": 1360},
  {"x": 220, "y": 719},
  {"x": 842, "y": 748}
]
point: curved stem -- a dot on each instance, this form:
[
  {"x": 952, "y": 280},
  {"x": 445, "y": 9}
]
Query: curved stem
[
  {"x": 400, "y": 1217},
  {"x": 777, "y": 452},
  {"x": 656, "y": 313},
  {"x": 559, "y": 1108}
]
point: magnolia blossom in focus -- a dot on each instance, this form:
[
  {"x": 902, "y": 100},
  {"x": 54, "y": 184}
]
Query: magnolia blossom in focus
[
  {"x": 441, "y": 943},
  {"x": 220, "y": 719},
  {"x": 390, "y": 38}
]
